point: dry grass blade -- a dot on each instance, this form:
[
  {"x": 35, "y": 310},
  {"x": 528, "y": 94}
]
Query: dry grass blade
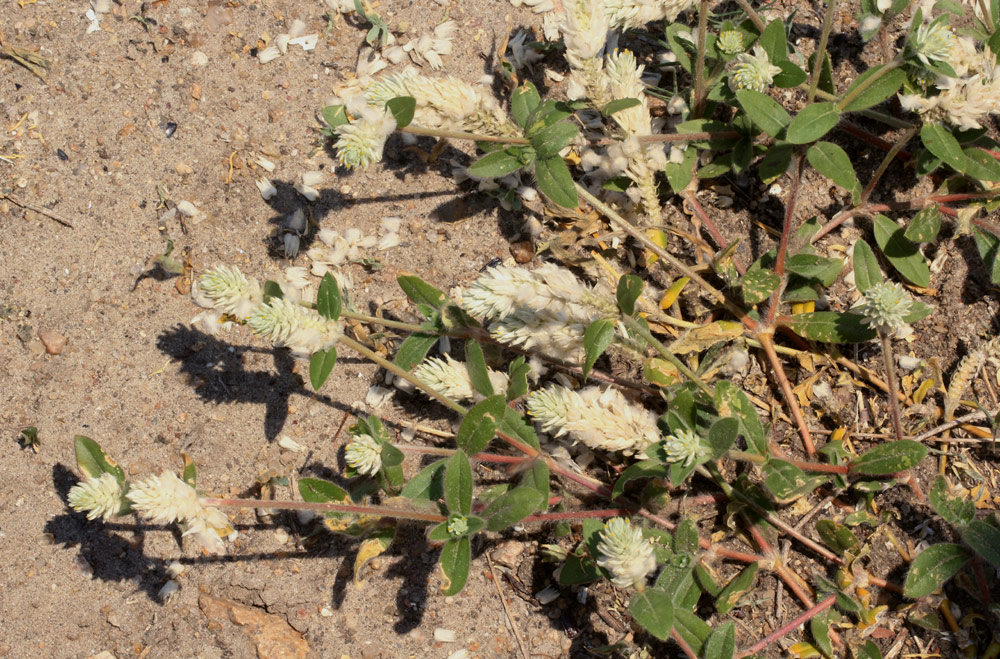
[{"x": 29, "y": 60}]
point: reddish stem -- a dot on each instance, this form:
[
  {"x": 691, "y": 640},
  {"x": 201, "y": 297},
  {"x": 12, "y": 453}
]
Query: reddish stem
[
  {"x": 717, "y": 236},
  {"x": 801, "y": 619},
  {"x": 766, "y": 340}
]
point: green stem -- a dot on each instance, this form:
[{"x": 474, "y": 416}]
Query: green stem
[
  {"x": 323, "y": 506},
  {"x": 665, "y": 256},
  {"x": 637, "y": 328},
  {"x": 896, "y": 63},
  {"x": 699, "y": 66},
  {"x": 385, "y": 322},
  {"x": 477, "y": 457},
  {"x": 461, "y": 135},
  {"x": 884, "y": 165},
  {"x": 392, "y": 368},
  {"x": 821, "y": 50}
]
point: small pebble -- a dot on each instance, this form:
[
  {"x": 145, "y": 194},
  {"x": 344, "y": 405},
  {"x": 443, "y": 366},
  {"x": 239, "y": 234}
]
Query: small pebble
[
  {"x": 445, "y": 635},
  {"x": 53, "y": 341},
  {"x": 170, "y": 129},
  {"x": 522, "y": 251},
  {"x": 281, "y": 536},
  {"x": 62, "y": 154}
]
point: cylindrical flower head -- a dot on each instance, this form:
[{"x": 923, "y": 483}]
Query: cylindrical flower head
[
  {"x": 361, "y": 143},
  {"x": 625, "y": 553},
  {"x": 451, "y": 378},
  {"x": 632, "y": 14},
  {"x": 753, "y": 71},
  {"x": 287, "y": 323},
  {"x": 731, "y": 42},
  {"x": 364, "y": 454},
  {"x": 599, "y": 419},
  {"x": 584, "y": 27},
  {"x": 99, "y": 497},
  {"x": 166, "y": 498},
  {"x": 886, "y": 306},
  {"x": 230, "y": 291}
]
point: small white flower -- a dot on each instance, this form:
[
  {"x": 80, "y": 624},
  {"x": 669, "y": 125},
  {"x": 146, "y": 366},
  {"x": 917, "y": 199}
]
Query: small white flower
[
  {"x": 886, "y": 306},
  {"x": 230, "y": 291},
  {"x": 99, "y": 497},
  {"x": 165, "y": 499},
  {"x": 933, "y": 41},
  {"x": 625, "y": 553},
  {"x": 731, "y": 42},
  {"x": 683, "y": 446},
  {"x": 364, "y": 454},
  {"x": 361, "y": 143},
  {"x": 458, "y": 525},
  {"x": 753, "y": 71}
]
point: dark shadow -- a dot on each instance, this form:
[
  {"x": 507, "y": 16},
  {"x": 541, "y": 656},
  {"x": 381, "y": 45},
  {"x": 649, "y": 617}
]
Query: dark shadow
[{"x": 217, "y": 372}]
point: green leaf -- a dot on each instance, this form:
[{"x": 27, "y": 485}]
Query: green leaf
[
  {"x": 812, "y": 123},
  {"x": 480, "y": 424},
  {"x": 679, "y": 175},
  {"x": 328, "y": 301},
  {"x": 989, "y": 250},
  {"x": 618, "y": 105},
  {"x": 29, "y": 437},
  {"x": 511, "y": 507},
  {"x": 653, "y": 610},
  {"x": 776, "y": 162},
  {"x": 475, "y": 364},
  {"x": 866, "y": 270},
  {"x": 838, "y": 537},
  {"x": 458, "y": 484},
  {"x": 831, "y": 327},
  {"x": 833, "y": 162},
  {"x": 759, "y": 283},
  {"x": 596, "y": 339},
  {"x": 924, "y": 226},
  {"x": 455, "y": 559},
  {"x": 735, "y": 589},
  {"x": 721, "y": 643},
  {"x": 868, "y": 651},
  {"x": 692, "y": 629},
  {"x": 272, "y": 290},
  {"x": 579, "y": 568},
  {"x": 981, "y": 165},
  {"x": 764, "y": 111},
  {"x": 517, "y": 379},
  {"x": 317, "y": 490},
  {"x": 555, "y": 182},
  {"x": 786, "y": 481},
  {"x": 335, "y": 115},
  {"x": 421, "y": 292},
  {"x": 190, "y": 473},
  {"x": 537, "y": 477},
  {"x": 774, "y": 41},
  {"x": 721, "y": 435},
  {"x": 984, "y": 540},
  {"x": 321, "y": 365},
  {"x": 523, "y": 102},
  {"x": 414, "y": 349},
  {"x": 889, "y": 458},
  {"x": 791, "y": 74},
  {"x": 880, "y": 90},
  {"x": 644, "y": 469},
  {"x": 428, "y": 484},
  {"x": 629, "y": 290},
  {"x": 731, "y": 401},
  {"x": 815, "y": 268},
  {"x": 549, "y": 141},
  {"x": 955, "y": 511},
  {"x": 903, "y": 254},
  {"x": 940, "y": 142},
  {"x": 515, "y": 425},
  {"x": 496, "y": 164},
  {"x": 932, "y": 568},
  {"x": 402, "y": 109},
  {"x": 92, "y": 461}
]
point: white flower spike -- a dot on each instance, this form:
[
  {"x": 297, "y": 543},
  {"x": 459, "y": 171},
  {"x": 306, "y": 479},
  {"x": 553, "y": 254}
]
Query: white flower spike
[{"x": 625, "y": 554}]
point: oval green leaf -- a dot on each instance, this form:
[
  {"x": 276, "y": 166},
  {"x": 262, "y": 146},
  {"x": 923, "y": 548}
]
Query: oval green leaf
[
  {"x": 932, "y": 568},
  {"x": 812, "y": 123},
  {"x": 889, "y": 458}
]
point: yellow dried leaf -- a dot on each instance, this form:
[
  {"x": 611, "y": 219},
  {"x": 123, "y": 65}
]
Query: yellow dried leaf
[
  {"x": 673, "y": 292},
  {"x": 704, "y": 337},
  {"x": 922, "y": 391},
  {"x": 804, "y": 307},
  {"x": 369, "y": 549},
  {"x": 804, "y": 650}
]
